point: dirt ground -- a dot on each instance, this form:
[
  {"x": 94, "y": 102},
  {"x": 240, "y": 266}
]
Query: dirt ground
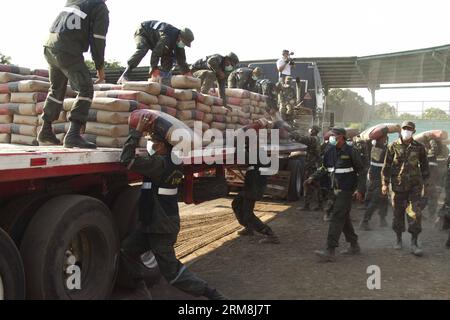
[{"x": 242, "y": 268}]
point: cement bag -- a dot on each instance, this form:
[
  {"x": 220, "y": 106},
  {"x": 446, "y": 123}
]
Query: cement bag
[
  {"x": 28, "y": 97},
  {"x": 152, "y": 88},
  {"x": 219, "y": 118},
  {"x": 254, "y": 103},
  {"x": 251, "y": 109},
  {"x": 167, "y": 91},
  {"x": 231, "y": 126},
  {"x": 185, "y": 82},
  {"x": 24, "y": 140},
  {"x": 427, "y": 136},
  {"x": 4, "y": 97},
  {"x": 245, "y": 109},
  {"x": 228, "y": 119},
  {"x": 237, "y": 93},
  {"x": 107, "y": 130},
  {"x": 26, "y": 120},
  {"x": 218, "y": 101},
  {"x": 25, "y": 86},
  {"x": 106, "y": 142},
  {"x": 254, "y": 96},
  {"x": 262, "y": 104},
  {"x": 141, "y": 97},
  {"x": 235, "y": 119},
  {"x": 190, "y": 115},
  {"x": 186, "y": 105},
  {"x": 191, "y": 124},
  {"x": 255, "y": 116},
  {"x": 238, "y": 102},
  {"x": 5, "y": 138},
  {"x": 108, "y": 117},
  {"x": 6, "y": 77},
  {"x": 206, "y": 99},
  {"x": 208, "y": 118},
  {"x": 59, "y": 128},
  {"x": 63, "y": 117},
  {"x": 107, "y": 87},
  {"x": 244, "y": 121},
  {"x": 24, "y": 109},
  {"x": 109, "y": 104},
  {"x": 379, "y": 131},
  {"x": 5, "y": 128},
  {"x": 167, "y": 101},
  {"x": 24, "y": 130},
  {"x": 219, "y": 125},
  {"x": 5, "y": 110},
  {"x": 40, "y": 107},
  {"x": 184, "y": 95},
  {"x": 164, "y": 125},
  {"x": 5, "y": 118},
  {"x": 41, "y": 73},
  {"x": 219, "y": 110},
  {"x": 203, "y": 107},
  {"x": 14, "y": 69},
  {"x": 168, "y": 110}
]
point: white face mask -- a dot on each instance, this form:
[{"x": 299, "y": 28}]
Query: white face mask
[
  {"x": 374, "y": 142},
  {"x": 255, "y": 78},
  {"x": 406, "y": 134},
  {"x": 150, "y": 148},
  {"x": 333, "y": 140}
]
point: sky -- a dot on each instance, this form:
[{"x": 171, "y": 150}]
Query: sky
[{"x": 252, "y": 29}]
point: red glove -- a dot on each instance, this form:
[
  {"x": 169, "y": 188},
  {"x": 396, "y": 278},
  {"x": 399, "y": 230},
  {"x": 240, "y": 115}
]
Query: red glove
[{"x": 155, "y": 73}]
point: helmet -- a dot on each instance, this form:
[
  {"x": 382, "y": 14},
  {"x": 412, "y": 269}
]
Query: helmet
[
  {"x": 315, "y": 128},
  {"x": 233, "y": 58},
  {"x": 258, "y": 72},
  {"x": 187, "y": 36}
]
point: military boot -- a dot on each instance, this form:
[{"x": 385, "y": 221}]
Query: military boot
[
  {"x": 46, "y": 136},
  {"x": 74, "y": 139},
  {"x": 353, "y": 250},
  {"x": 329, "y": 255},
  {"x": 213, "y": 294},
  {"x": 124, "y": 77},
  {"x": 415, "y": 249},
  {"x": 365, "y": 226},
  {"x": 383, "y": 223},
  {"x": 141, "y": 292},
  {"x": 399, "y": 244},
  {"x": 246, "y": 232}
]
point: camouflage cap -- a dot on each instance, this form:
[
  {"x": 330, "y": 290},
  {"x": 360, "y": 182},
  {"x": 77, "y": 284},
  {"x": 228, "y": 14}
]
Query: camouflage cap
[
  {"x": 187, "y": 36},
  {"x": 258, "y": 72},
  {"x": 233, "y": 58},
  {"x": 409, "y": 124},
  {"x": 339, "y": 132}
]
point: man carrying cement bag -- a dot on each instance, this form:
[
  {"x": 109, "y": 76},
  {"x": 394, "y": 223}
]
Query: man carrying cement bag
[
  {"x": 167, "y": 44},
  {"x": 215, "y": 68},
  {"x": 81, "y": 25},
  {"x": 245, "y": 78},
  {"x": 158, "y": 215}
]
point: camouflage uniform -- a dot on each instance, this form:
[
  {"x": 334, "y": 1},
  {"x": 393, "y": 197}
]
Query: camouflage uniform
[
  {"x": 288, "y": 98},
  {"x": 406, "y": 169},
  {"x": 209, "y": 70},
  {"x": 269, "y": 89},
  {"x": 445, "y": 211},
  {"x": 377, "y": 201},
  {"x": 437, "y": 157},
  {"x": 242, "y": 78},
  {"x": 364, "y": 148}
]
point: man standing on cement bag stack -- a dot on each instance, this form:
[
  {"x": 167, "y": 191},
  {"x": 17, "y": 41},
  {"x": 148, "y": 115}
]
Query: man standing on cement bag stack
[
  {"x": 437, "y": 156},
  {"x": 81, "y": 25},
  {"x": 245, "y": 78},
  {"x": 215, "y": 68},
  {"x": 406, "y": 170},
  {"x": 312, "y": 164},
  {"x": 269, "y": 89},
  {"x": 344, "y": 165},
  {"x": 377, "y": 200},
  {"x": 158, "y": 215},
  {"x": 167, "y": 44}
]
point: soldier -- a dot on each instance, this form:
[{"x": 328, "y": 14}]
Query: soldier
[
  {"x": 343, "y": 164},
  {"x": 215, "y": 68},
  {"x": 364, "y": 148},
  {"x": 158, "y": 215},
  {"x": 269, "y": 89},
  {"x": 288, "y": 98},
  {"x": 81, "y": 25},
  {"x": 312, "y": 164},
  {"x": 437, "y": 157},
  {"x": 406, "y": 169},
  {"x": 377, "y": 200},
  {"x": 245, "y": 78},
  {"x": 445, "y": 211},
  {"x": 167, "y": 44}
]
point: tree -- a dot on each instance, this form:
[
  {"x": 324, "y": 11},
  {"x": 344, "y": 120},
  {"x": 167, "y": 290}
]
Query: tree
[
  {"x": 435, "y": 114},
  {"x": 385, "y": 111},
  {"x": 112, "y": 64},
  {"x": 407, "y": 116},
  {"x": 347, "y": 105},
  {"x": 4, "y": 59}
]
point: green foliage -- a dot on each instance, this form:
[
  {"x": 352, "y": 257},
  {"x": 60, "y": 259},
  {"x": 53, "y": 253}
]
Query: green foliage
[
  {"x": 435, "y": 114},
  {"x": 385, "y": 111},
  {"x": 112, "y": 64},
  {"x": 4, "y": 59},
  {"x": 345, "y": 98},
  {"x": 408, "y": 116}
]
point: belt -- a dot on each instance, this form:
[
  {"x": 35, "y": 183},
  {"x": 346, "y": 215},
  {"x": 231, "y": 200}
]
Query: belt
[
  {"x": 161, "y": 191},
  {"x": 377, "y": 164},
  {"x": 433, "y": 164},
  {"x": 340, "y": 170}
]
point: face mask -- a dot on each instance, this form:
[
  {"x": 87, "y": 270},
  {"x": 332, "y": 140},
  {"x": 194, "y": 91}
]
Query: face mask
[
  {"x": 229, "y": 68},
  {"x": 150, "y": 148},
  {"x": 349, "y": 143},
  {"x": 374, "y": 143},
  {"x": 406, "y": 134},
  {"x": 255, "y": 78},
  {"x": 310, "y": 131},
  {"x": 181, "y": 45},
  {"x": 333, "y": 141}
]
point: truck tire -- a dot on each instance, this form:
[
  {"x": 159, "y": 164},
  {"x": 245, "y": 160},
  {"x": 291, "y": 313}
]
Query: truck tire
[
  {"x": 70, "y": 250},
  {"x": 18, "y": 213},
  {"x": 125, "y": 211},
  {"x": 12, "y": 275},
  {"x": 295, "y": 166}
]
